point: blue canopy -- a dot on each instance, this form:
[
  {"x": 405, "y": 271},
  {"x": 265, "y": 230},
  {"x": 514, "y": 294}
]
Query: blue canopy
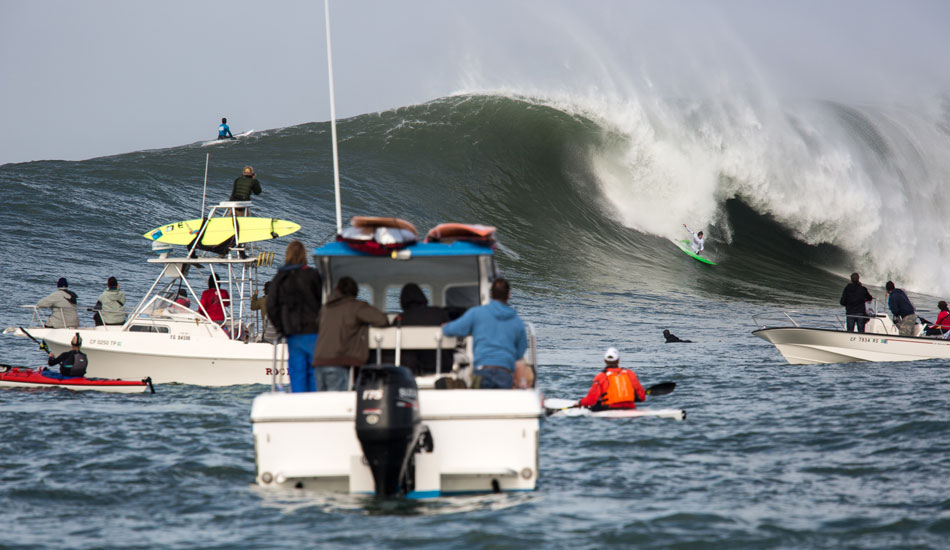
[{"x": 417, "y": 250}]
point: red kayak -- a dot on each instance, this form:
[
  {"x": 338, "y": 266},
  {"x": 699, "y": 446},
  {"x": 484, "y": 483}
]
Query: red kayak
[{"x": 24, "y": 377}]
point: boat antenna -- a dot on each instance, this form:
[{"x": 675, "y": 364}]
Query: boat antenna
[
  {"x": 205, "y": 190},
  {"x": 336, "y": 158}
]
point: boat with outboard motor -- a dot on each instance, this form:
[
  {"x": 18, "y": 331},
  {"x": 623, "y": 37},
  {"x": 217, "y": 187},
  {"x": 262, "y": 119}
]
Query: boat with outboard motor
[
  {"x": 27, "y": 377},
  {"x": 397, "y": 434},
  {"x": 169, "y": 341},
  {"x": 827, "y": 342}
]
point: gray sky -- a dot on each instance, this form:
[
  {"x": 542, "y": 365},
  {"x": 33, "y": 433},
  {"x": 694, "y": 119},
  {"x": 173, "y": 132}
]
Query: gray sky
[{"x": 101, "y": 77}]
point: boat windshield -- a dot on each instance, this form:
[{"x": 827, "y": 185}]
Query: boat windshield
[{"x": 448, "y": 281}]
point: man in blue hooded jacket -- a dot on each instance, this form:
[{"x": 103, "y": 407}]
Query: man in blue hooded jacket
[{"x": 499, "y": 337}]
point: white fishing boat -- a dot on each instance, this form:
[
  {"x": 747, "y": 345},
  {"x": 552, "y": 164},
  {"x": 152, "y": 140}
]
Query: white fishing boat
[
  {"x": 170, "y": 342},
  {"x": 442, "y": 441},
  {"x": 394, "y": 433},
  {"x": 831, "y": 343}
]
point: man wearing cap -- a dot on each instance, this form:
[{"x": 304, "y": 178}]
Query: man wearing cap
[
  {"x": 62, "y": 305},
  {"x": 111, "y": 305},
  {"x": 245, "y": 185},
  {"x": 499, "y": 337},
  {"x": 614, "y": 387}
]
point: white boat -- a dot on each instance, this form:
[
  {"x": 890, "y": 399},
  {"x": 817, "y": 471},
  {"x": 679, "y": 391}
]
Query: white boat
[
  {"x": 172, "y": 343},
  {"x": 461, "y": 441},
  {"x": 830, "y": 343}
]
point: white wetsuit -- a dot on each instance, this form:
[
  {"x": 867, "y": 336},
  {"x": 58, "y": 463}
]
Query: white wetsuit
[{"x": 698, "y": 243}]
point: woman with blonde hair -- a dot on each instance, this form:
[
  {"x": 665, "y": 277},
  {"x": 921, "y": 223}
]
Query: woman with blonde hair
[{"x": 293, "y": 307}]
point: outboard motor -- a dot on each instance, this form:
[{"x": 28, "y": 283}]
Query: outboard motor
[{"x": 388, "y": 424}]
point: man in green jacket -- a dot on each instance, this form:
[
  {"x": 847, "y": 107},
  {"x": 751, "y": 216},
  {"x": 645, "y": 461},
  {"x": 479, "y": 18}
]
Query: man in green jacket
[
  {"x": 245, "y": 185},
  {"x": 111, "y": 306}
]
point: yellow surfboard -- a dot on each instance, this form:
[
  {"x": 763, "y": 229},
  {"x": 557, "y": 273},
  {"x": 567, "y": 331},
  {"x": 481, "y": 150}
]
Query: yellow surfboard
[{"x": 221, "y": 229}]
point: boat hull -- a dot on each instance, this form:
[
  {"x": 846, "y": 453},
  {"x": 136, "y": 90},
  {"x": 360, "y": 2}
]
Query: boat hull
[
  {"x": 175, "y": 357},
  {"x": 809, "y": 346},
  {"x": 484, "y": 441}
]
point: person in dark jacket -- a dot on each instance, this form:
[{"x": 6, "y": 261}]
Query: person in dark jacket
[
  {"x": 416, "y": 311},
  {"x": 293, "y": 306},
  {"x": 672, "y": 338},
  {"x": 344, "y": 335},
  {"x": 854, "y": 298},
  {"x": 72, "y": 363},
  {"x": 905, "y": 316},
  {"x": 245, "y": 185}
]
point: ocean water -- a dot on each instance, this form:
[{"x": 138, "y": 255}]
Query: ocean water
[{"x": 770, "y": 455}]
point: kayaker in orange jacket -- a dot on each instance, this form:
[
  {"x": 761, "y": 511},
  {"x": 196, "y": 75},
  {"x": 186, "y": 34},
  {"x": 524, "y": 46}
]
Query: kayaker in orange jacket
[{"x": 614, "y": 387}]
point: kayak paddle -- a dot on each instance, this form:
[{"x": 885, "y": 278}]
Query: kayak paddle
[{"x": 42, "y": 344}]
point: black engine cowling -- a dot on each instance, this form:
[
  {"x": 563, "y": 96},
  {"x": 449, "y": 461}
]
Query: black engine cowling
[{"x": 387, "y": 424}]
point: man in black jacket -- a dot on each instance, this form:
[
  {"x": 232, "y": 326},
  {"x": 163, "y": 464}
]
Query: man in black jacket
[{"x": 853, "y": 299}]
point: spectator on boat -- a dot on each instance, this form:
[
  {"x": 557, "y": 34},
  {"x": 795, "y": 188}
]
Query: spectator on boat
[
  {"x": 245, "y": 185},
  {"x": 672, "y": 338},
  {"x": 62, "y": 305},
  {"x": 268, "y": 332},
  {"x": 182, "y": 299},
  {"x": 344, "y": 335},
  {"x": 499, "y": 337},
  {"x": 416, "y": 311},
  {"x": 698, "y": 242},
  {"x": 110, "y": 308},
  {"x": 614, "y": 387},
  {"x": 854, "y": 299},
  {"x": 224, "y": 131},
  {"x": 905, "y": 315},
  {"x": 942, "y": 325},
  {"x": 293, "y": 307},
  {"x": 215, "y": 300},
  {"x": 72, "y": 363}
]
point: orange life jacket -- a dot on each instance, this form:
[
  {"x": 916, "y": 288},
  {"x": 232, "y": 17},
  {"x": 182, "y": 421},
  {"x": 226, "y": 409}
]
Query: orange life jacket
[{"x": 619, "y": 388}]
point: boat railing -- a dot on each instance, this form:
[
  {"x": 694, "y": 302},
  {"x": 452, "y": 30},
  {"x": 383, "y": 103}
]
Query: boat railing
[
  {"x": 37, "y": 319},
  {"x": 811, "y": 318}
]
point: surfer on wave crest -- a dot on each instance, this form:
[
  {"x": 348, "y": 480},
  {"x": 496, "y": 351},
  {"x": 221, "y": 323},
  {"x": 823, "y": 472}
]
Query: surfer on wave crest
[{"x": 698, "y": 242}]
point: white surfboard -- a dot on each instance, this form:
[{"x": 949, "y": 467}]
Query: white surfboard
[{"x": 219, "y": 141}]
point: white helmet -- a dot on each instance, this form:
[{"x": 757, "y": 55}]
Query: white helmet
[{"x": 612, "y": 355}]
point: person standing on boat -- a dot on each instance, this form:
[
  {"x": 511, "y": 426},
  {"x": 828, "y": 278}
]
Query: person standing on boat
[
  {"x": 72, "y": 363},
  {"x": 62, "y": 305},
  {"x": 224, "y": 131},
  {"x": 698, "y": 242},
  {"x": 854, "y": 299},
  {"x": 900, "y": 305},
  {"x": 293, "y": 307},
  {"x": 245, "y": 185},
  {"x": 614, "y": 387},
  {"x": 110, "y": 309},
  {"x": 215, "y": 300},
  {"x": 499, "y": 337},
  {"x": 344, "y": 335}
]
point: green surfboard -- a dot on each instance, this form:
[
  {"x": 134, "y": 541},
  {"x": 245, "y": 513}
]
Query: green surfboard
[{"x": 684, "y": 246}]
